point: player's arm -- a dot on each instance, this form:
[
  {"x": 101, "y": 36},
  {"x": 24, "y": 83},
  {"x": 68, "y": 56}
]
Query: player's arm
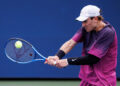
[
  {"x": 83, "y": 60},
  {"x": 65, "y": 48},
  {"x": 68, "y": 45}
]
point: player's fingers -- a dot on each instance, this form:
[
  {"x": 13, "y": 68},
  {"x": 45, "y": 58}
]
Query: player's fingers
[
  {"x": 50, "y": 62},
  {"x": 58, "y": 65}
]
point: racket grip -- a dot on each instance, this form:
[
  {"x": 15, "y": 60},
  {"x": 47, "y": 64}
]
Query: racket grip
[{"x": 45, "y": 60}]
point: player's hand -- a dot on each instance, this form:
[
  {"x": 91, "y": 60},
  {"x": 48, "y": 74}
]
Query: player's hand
[
  {"x": 51, "y": 60},
  {"x": 61, "y": 63}
]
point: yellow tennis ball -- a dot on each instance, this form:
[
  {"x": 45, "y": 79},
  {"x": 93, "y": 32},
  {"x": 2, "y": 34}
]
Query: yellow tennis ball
[{"x": 18, "y": 44}]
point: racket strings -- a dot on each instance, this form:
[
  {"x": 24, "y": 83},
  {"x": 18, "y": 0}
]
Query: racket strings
[{"x": 18, "y": 54}]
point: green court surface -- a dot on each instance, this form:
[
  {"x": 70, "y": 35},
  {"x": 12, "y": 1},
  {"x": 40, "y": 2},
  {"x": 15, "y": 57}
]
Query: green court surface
[{"x": 42, "y": 83}]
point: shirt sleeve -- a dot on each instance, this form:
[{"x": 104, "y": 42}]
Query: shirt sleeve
[
  {"x": 78, "y": 36},
  {"x": 102, "y": 44}
]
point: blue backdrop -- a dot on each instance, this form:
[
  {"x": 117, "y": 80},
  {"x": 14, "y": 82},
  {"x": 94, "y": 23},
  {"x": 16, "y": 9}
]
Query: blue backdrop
[{"x": 47, "y": 24}]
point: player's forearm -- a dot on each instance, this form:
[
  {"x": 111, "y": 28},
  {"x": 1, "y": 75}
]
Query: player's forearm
[
  {"x": 83, "y": 60},
  {"x": 65, "y": 48}
]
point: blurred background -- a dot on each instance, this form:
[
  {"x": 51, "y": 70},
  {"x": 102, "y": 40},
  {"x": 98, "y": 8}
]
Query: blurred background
[{"x": 47, "y": 24}]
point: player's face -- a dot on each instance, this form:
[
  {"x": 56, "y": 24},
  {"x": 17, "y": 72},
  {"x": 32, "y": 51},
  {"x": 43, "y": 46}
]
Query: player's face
[{"x": 89, "y": 24}]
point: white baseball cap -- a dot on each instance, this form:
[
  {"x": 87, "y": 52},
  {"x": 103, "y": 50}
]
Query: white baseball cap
[{"x": 88, "y": 11}]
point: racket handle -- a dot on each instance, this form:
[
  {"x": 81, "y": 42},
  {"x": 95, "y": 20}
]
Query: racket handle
[{"x": 45, "y": 60}]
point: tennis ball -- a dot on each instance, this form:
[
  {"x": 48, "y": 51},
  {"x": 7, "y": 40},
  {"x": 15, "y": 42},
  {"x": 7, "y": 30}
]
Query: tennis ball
[{"x": 18, "y": 44}]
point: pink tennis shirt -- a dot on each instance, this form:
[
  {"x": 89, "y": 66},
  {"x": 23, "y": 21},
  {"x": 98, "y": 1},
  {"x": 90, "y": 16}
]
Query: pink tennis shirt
[{"x": 102, "y": 44}]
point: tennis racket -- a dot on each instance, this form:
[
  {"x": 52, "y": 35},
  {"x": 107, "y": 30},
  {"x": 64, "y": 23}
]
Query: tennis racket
[{"x": 26, "y": 54}]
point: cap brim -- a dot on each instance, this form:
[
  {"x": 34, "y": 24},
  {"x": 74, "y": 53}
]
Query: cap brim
[{"x": 81, "y": 18}]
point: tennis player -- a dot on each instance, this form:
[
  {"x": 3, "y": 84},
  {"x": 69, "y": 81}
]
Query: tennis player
[{"x": 99, "y": 52}]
